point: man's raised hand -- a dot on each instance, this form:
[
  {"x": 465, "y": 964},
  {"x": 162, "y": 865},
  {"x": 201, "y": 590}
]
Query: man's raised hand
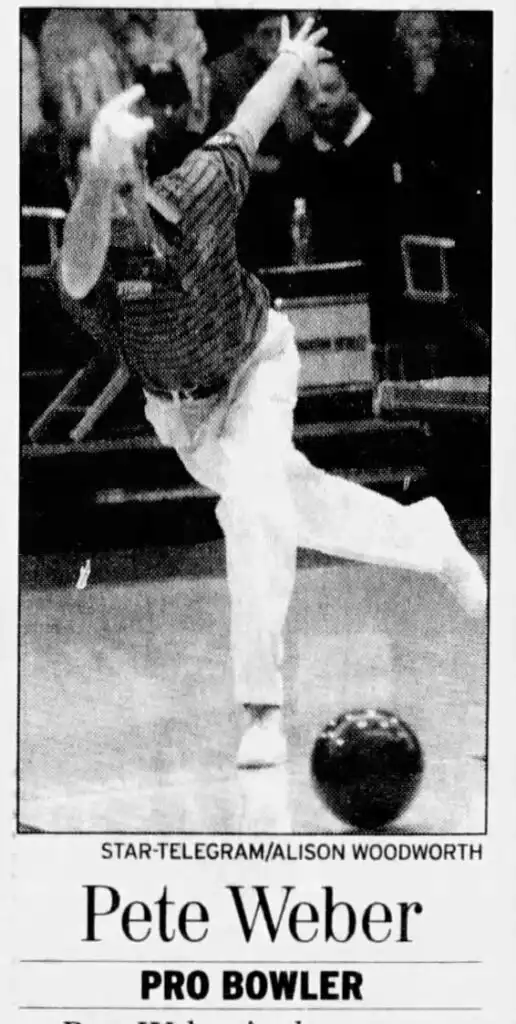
[
  {"x": 117, "y": 131},
  {"x": 304, "y": 45}
]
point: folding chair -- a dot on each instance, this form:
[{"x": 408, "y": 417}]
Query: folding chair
[{"x": 413, "y": 246}]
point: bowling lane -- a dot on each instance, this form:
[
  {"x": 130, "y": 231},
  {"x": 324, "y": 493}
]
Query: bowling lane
[{"x": 127, "y": 720}]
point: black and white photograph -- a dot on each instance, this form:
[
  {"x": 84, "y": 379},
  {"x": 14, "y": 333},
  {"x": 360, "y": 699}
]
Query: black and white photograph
[{"x": 255, "y": 421}]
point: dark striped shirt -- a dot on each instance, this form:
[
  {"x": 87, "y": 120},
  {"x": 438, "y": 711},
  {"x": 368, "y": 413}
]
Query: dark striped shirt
[{"x": 190, "y": 315}]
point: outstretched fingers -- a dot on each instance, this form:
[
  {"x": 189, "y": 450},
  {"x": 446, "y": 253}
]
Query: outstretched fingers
[
  {"x": 306, "y": 28},
  {"x": 317, "y": 36},
  {"x": 285, "y": 31}
]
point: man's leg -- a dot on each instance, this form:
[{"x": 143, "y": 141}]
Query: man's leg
[
  {"x": 257, "y": 514},
  {"x": 240, "y": 448},
  {"x": 273, "y": 500},
  {"x": 335, "y": 515},
  {"x": 342, "y": 518}
]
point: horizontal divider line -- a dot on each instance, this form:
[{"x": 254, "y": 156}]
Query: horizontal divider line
[
  {"x": 254, "y": 963},
  {"x": 264, "y": 1009}
]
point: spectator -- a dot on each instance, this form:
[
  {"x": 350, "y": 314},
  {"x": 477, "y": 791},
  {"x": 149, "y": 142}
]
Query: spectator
[
  {"x": 342, "y": 168},
  {"x": 429, "y": 100},
  {"x": 440, "y": 125},
  {"x": 420, "y": 35}
]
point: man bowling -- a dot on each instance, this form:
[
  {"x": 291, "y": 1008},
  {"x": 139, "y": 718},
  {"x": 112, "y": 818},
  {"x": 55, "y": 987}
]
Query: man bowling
[{"x": 219, "y": 370}]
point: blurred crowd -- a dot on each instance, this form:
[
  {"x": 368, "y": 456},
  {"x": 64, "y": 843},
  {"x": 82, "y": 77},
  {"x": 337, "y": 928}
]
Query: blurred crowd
[{"x": 393, "y": 138}]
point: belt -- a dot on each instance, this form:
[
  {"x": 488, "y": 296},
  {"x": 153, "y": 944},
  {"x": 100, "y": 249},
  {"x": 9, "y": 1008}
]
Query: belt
[{"x": 195, "y": 393}]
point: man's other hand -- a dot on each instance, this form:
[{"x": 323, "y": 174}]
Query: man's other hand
[{"x": 117, "y": 131}]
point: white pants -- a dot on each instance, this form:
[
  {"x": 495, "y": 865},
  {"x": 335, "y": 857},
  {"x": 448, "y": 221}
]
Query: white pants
[{"x": 272, "y": 501}]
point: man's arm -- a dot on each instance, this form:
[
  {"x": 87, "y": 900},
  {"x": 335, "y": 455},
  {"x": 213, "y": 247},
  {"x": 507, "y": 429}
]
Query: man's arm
[
  {"x": 87, "y": 231},
  {"x": 263, "y": 104}
]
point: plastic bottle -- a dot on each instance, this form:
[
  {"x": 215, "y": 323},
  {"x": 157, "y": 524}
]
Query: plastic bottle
[{"x": 301, "y": 232}]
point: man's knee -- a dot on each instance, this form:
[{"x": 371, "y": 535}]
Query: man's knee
[{"x": 262, "y": 501}]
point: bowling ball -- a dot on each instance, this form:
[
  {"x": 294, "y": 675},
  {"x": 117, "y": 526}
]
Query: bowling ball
[{"x": 366, "y": 767}]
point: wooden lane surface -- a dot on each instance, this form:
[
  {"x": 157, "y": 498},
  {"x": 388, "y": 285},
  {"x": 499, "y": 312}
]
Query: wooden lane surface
[{"x": 127, "y": 719}]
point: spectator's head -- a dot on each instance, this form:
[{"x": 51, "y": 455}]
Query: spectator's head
[
  {"x": 420, "y": 34},
  {"x": 262, "y": 34},
  {"x": 332, "y": 104},
  {"x": 167, "y": 98}
]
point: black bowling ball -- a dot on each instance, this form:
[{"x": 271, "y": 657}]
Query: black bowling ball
[{"x": 366, "y": 767}]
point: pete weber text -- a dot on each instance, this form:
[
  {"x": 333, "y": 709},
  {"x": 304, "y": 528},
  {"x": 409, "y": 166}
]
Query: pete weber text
[{"x": 260, "y": 910}]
